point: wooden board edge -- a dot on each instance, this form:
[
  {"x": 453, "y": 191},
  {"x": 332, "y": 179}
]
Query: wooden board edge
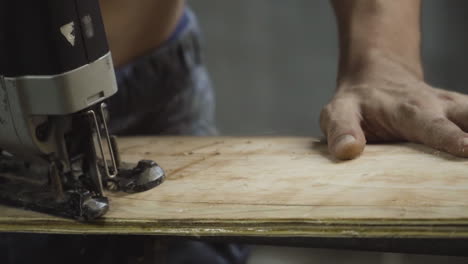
[{"x": 327, "y": 228}]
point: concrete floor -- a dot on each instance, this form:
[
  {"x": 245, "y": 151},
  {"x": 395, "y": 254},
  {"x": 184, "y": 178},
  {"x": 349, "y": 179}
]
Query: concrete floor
[{"x": 273, "y": 63}]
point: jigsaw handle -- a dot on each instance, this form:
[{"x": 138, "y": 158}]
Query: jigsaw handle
[{"x": 49, "y": 37}]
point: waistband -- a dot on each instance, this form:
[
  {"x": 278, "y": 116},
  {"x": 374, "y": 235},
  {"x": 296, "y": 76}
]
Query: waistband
[
  {"x": 184, "y": 22},
  {"x": 183, "y": 41}
]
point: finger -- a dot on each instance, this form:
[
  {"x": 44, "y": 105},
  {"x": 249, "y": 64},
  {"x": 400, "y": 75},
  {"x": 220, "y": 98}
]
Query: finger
[
  {"x": 442, "y": 134},
  {"x": 458, "y": 114},
  {"x": 340, "y": 122}
]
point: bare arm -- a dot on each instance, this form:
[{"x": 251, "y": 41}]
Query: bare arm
[
  {"x": 389, "y": 28},
  {"x": 381, "y": 94}
]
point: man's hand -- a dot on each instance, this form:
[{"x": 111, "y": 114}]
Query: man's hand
[
  {"x": 381, "y": 94},
  {"x": 388, "y": 102}
]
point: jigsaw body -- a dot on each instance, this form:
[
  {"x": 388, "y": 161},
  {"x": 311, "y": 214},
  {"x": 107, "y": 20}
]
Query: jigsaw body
[{"x": 55, "y": 73}]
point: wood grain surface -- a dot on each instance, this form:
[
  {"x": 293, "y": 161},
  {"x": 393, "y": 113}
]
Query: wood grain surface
[{"x": 279, "y": 187}]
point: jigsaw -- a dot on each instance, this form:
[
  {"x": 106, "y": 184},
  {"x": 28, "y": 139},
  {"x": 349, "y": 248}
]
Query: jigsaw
[{"x": 56, "y": 71}]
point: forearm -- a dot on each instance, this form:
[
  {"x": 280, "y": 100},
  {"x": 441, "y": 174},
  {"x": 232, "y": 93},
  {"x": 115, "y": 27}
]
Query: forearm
[
  {"x": 135, "y": 27},
  {"x": 378, "y": 28}
]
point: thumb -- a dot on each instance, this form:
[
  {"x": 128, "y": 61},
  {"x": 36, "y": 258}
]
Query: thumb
[{"x": 340, "y": 122}]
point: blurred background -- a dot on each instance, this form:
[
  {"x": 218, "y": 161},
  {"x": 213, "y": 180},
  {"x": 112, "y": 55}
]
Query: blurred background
[{"x": 273, "y": 64}]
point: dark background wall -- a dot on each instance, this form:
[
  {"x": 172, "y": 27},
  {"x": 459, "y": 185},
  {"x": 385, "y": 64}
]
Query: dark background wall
[{"x": 273, "y": 62}]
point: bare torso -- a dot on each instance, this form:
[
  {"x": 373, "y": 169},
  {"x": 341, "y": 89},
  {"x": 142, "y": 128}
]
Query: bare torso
[{"x": 135, "y": 27}]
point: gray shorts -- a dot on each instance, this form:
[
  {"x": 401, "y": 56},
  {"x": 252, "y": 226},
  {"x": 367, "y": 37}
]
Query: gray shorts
[{"x": 167, "y": 91}]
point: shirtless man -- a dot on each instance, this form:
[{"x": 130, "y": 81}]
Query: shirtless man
[{"x": 164, "y": 89}]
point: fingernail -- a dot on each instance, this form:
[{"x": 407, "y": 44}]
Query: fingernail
[
  {"x": 465, "y": 142},
  {"x": 347, "y": 147},
  {"x": 344, "y": 140}
]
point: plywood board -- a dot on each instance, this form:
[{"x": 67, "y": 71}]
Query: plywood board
[{"x": 279, "y": 187}]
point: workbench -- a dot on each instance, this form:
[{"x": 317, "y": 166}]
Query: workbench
[{"x": 284, "y": 190}]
